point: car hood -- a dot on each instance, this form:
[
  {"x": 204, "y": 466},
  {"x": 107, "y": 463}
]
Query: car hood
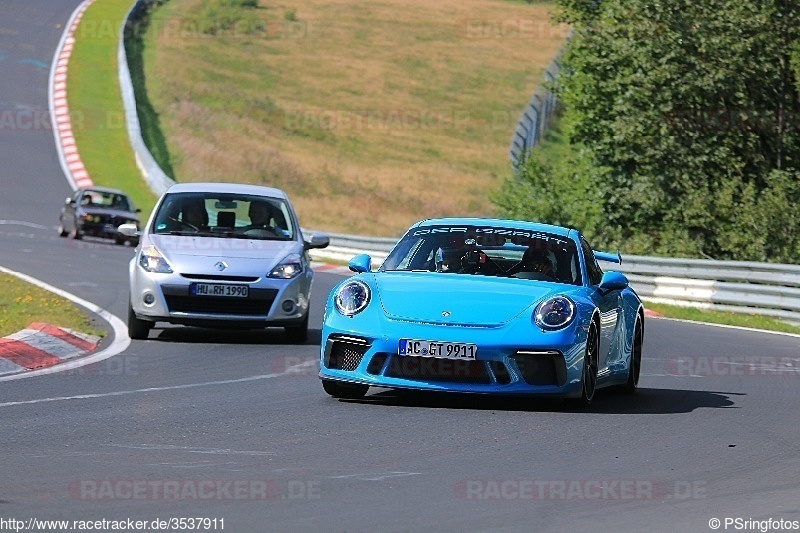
[
  {"x": 469, "y": 300},
  {"x": 201, "y": 254}
]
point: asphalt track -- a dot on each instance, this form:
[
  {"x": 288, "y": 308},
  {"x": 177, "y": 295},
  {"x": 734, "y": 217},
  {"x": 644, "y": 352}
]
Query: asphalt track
[{"x": 235, "y": 426}]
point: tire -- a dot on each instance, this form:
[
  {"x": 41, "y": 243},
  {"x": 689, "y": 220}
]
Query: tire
[
  {"x": 344, "y": 390},
  {"x": 635, "y": 366},
  {"x": 137, "y": 329},
  {"x": 298, "y": 334},
  {"x": 589, "y": 372},
  {"x": 75, "y": 234}
]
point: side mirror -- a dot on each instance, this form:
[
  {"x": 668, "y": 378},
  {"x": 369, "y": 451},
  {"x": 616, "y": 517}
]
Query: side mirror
[
  {"x": 613, "y": 281},
  {"x": 317, "y": 240},
  {"x": 360, "y": 263},
  {"x": 129, "y": 230},
  {"x": 68, "y": 201}
]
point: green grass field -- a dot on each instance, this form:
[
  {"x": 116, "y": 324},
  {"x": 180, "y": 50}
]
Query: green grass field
[
  {"x": 22, "y": 303},
  {"x": 95, "y": 104},
  {"x": 370, "y": 115}
]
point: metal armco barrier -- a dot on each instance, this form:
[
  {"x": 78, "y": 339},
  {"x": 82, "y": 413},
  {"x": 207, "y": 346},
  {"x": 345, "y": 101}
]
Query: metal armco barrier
[
  {"x": 156, "y": 178},
  {"x": 767, "y": 289},
  {"x": 537, "y": 114}
]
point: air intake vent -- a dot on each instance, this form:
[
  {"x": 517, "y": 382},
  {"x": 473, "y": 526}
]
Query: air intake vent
[
  {"x": 541, "y": 368},
  {"x": 345, "y": 353}
]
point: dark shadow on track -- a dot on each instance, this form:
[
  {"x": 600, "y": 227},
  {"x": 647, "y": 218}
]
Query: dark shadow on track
[
  {"x": 644, "y": 402},
  {"x": 194, "y": 335}
]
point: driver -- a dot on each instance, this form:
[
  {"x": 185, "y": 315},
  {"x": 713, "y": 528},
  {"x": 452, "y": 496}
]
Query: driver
[
  {"x": 259, "y": 215},
  {"x": 536, "y": 261}
]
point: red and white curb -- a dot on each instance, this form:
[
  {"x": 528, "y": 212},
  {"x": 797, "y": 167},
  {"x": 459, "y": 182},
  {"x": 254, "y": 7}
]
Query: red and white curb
[
  {"x": 71, "y": 162},
  {"x": 41, "y": 345},
  {"x": 332, "y": 269}
]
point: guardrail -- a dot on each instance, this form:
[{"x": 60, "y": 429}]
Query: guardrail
[
  {"x": 156, "y": 178},
  {"x": 537, "y": 114},
  {"x": 738, "y": 286}
]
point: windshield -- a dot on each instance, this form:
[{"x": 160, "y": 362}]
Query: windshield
[
  {"x": 487, "y": 251},
  {"x": 106, "y": 200},
  {"x": 224, "y": 215}
]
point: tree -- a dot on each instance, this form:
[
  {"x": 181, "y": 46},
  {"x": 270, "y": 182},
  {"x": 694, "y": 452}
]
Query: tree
[{"x": 688, "y": 115}]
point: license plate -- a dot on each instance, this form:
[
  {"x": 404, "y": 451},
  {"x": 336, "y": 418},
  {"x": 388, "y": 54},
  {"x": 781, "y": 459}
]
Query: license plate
[
  {"x": 219, "y": 289},
  {"x": 443, "y": 350}
]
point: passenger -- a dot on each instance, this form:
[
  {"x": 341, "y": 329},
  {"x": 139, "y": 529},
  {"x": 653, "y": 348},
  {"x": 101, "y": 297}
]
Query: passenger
[{"x": 195, "y": 214}]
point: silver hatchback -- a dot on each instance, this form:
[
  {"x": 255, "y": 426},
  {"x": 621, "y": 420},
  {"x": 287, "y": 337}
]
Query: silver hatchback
[{"x": 221, "y": 255}]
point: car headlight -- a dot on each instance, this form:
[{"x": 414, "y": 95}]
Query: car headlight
[
  {"x": 152, "y": 261},
  {"x": 289, "y": 268},
  {"x": 554, "y": 313},
  {"x": 352, "y": 297}
]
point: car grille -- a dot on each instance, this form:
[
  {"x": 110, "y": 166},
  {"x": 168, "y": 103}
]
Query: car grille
[
  {"x": 433, "y": 369},
  {"x": 257, "y": 304},
  {"x": 101, "y": 218},
  {"x": 345, "y": 353},
  {"x": 541, "y": 368}
]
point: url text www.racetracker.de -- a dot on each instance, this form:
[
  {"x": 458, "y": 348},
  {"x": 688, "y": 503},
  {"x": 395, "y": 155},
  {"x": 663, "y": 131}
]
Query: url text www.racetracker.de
[{"x": 126, "y": 524}]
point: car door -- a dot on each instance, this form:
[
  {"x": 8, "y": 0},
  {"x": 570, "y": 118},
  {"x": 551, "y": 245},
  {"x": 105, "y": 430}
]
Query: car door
[{"x": 608, "y": 303}]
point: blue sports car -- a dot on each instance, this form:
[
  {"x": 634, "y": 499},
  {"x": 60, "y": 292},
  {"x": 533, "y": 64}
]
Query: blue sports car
[{"x": 484, "y": 306}]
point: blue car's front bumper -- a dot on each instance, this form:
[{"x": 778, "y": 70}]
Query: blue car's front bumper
[{"x": 515, "y": 358}]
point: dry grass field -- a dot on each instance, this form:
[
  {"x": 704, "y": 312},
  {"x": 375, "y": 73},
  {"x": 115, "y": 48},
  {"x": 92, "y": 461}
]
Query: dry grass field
[{"x": 371, "y": 115}]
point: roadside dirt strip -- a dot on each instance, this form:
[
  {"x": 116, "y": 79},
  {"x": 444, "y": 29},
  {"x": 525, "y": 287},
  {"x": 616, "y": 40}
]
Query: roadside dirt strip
[{"x": 41, "y": 345}]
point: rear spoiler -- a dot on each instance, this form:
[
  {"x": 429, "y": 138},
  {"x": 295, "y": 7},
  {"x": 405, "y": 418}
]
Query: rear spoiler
[{"x": 608, "y": 256}]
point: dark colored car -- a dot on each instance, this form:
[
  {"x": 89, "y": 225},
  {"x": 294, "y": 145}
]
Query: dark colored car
[{"x": 98, "y": 211}]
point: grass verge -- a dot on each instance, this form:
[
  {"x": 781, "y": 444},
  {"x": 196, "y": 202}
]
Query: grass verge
[
  {"x": 719, "y": 317},
  {"x": 22, "y": 303},
  {"x": 370, "y": 115},
  {"x": 95, "y": 103}
]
